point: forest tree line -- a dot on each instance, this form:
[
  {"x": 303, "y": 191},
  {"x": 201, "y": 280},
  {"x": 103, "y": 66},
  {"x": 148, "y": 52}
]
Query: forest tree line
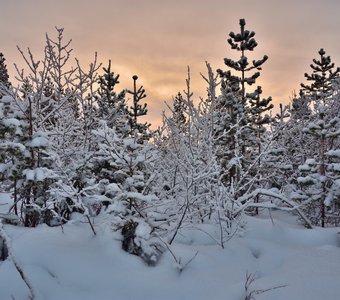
[{"x": 72, "y": 142}]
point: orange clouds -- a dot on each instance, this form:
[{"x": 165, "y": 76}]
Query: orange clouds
[{"x": 157, "y": 39}]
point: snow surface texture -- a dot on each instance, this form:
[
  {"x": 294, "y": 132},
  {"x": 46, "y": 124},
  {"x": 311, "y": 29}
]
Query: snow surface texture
[{"x": 77, "y": 265}]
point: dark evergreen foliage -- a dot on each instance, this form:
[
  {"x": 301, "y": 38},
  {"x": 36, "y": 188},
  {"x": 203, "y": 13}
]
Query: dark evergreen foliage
[
  {"x": 240, "y": 114},
  {"x": 178, "y": 112},
  {"x": 322, "y": 79},
  {"x": 112, "y": 106},
  {"x": 138, "y": 110},
  {"x": 4, "y": 77}
]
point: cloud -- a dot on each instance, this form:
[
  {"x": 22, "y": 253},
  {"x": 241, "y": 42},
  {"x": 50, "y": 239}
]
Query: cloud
[{"x": 158, "y": 39}]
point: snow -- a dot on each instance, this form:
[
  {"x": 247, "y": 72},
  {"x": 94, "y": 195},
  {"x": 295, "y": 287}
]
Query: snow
[
  {"x": 30, "y": 174},
  {"x": 306, "y": 180},
  {"x": 336, "y": 167},
  {"x": 73, "y": 264},
  {"x": 143, "y": 230},
  {"x": 334, "y": 153},
  {"x": 3, "y": 167},
  {"x": 304, "y": 168},
  {"x": 38, "y": 174},
  {"x": 116, "y": 207},
  {"x": 5, "y": 202},
  {"x": 310, "y": 161},
  {"x": 112, "y": 188},
  {"x": 131, "y": 143},
  {"x": 12, "y": 145},
  {"x": 141, "y": 197},
  {"x": 7, "y": 99},
  {"x": 11, "y": 122},
  {"x": 40, "y": 139},
  {"x": 284, "y": 167}
]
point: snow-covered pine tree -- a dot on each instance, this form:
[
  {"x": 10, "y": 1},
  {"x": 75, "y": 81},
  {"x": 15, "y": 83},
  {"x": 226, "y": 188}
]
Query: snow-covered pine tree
[
  {"x": 124, "y": 184},
  {"x": 243, "y": 42},
  {"x": 276, "y": 163},
  {"x": 36, "y": 165},
  {"x": 286, "y": 153},
  {"x": 112, "y": 106},
  {"x": 241, "y": 114},
  {"x": 320, "y": 174},
  {"x": 178, "y": 112},
  {"x": 4, "y": 78},
  {"x": 323, "y": 90},
  {"x": 299, "y": 146},
  {"x": 290, "y": 145},
  {"x": 316, "y": 111},
  {"x": 11, "y": 148},
  {"x": 5, "y": 104},
  {"x": 322, "y": 81},
  {"x": 25, "y": 159},
  {"x": 138, "y": 110}
]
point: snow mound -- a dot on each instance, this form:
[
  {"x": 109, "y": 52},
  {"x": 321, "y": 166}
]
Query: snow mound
[{"x": 72, "y": 264}]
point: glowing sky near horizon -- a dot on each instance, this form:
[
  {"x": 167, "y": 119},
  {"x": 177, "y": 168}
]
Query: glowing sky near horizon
[{"x": 158, "y": 39}]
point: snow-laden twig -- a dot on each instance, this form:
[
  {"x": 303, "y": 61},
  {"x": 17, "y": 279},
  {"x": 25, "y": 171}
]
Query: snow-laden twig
[
  {"x": 178, "y": 260},
  {"x": 247, "y": 201},
  {"x": 251, "y": 293}
]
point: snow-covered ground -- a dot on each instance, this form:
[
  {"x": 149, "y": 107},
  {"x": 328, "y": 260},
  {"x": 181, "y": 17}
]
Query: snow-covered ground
[{"x": 72, "y": 263}]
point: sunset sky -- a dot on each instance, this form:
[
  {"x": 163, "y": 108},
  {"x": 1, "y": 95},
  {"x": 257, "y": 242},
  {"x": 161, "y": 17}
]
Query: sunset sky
[{"x": 158, "y": 39}]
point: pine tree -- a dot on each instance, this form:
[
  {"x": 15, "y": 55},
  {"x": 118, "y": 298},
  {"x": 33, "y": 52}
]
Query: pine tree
[
  {"x": 299, "y": 145},
  {"x": 319, "y": 174},
  {"x": 178, "y": 112},
  {"x": 242, "y": 42},
  {"x": 124, "y": 188},
  {"x": 4, "y": 77},
  {"x": 277, "y": 165},
  {"x": 11, "y": 148},
  {"x": 252, "y": 105},
  {"x": 240, "y": 119},
  {"x": 112, "y": 106},
  {"x": 25, "y": 159},
  {"x": 295, "y": 146},
  {"x": 138, "y": 110},
  {"x": 322, "y": 80},
  {"x": 312, "y": 132}
]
